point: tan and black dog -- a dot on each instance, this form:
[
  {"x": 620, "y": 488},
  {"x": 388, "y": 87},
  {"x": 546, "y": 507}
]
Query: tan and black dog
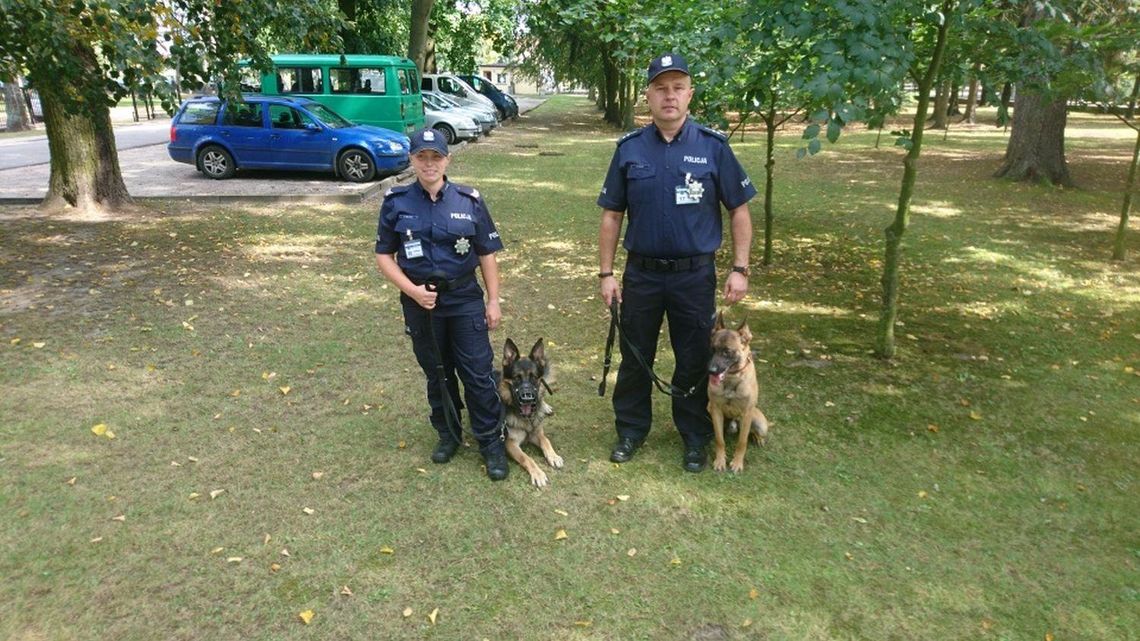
[
  {"x": 733, "y": 392},
  {"x": 522, "y": 391}
]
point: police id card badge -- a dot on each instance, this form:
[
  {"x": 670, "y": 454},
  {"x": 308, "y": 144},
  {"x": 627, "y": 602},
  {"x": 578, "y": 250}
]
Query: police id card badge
[
  {"x": 690, "y": 192},
  {"x": 413, "y": 248}
]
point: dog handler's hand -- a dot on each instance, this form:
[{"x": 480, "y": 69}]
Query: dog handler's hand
[
  {"x": 494, "y": 314},
  {"x": 735, "y": 287},
  {"x": 425, "y": 298},
  {"x": 611, "y": 290}
]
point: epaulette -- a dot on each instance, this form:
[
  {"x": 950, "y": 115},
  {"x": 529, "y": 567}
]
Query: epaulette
[
  {"x": 633, "y": 134},
  {"x": 712, "y": 132},
  {"x": 470, "y": 192},
  {"x": 396, "y": 189}
]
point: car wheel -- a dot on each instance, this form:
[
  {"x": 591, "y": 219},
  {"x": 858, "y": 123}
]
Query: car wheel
[
  {"x": 356, "y": 166},
  {"x": 216, "y": 162},
  {"x": 447, "y": 131}
]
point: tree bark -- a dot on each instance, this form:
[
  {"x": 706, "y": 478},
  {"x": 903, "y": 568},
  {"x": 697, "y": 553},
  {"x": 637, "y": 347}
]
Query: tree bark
[
  {"x": 894, "y": 232},
  {"x": 418, "y": 34},
  {"x": 1132, "y": 99},
  {"x": 1036, "y": 149},
  {"x": 971, "y": 114},
  {"x": 19, "y": 117},
  {"x": 941, "y": 100},
  {"x": 613, "y": 112},
  {"x": 769, "y": 179},
  {"x": 84, "y": 161},
  {"x": 1118, "y": 244},
  {"x": 629, "y": 91}
]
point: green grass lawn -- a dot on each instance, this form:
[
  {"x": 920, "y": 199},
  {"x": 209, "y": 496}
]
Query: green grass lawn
[{"x": 982, "y": 485}]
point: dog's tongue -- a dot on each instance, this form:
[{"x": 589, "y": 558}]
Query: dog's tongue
[
  {"x": 716, "y": 379},
  {"x": 526, "y": 409}
]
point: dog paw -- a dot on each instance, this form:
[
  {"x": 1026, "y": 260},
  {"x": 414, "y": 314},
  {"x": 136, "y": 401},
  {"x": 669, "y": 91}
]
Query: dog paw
[
  {"x": 737, "y": 466},
  {"x": 538, "y": 478},
  {"x": 546, "y": 409},
  {"x": 555, "y": 461},
  {"x": 718, "y": 464}
]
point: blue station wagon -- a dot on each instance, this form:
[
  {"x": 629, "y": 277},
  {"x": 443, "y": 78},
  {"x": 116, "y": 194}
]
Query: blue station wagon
[{"x": 263, "y": 132}]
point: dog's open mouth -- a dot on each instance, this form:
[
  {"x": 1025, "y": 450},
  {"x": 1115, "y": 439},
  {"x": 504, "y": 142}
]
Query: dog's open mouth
[
  {"x": 526, "y": 409},
  {"x": 717, "y": 379}
]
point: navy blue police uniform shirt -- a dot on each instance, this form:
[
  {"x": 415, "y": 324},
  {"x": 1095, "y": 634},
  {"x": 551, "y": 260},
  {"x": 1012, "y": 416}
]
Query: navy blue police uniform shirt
[
  {"x": 673, "y": 191},
  {"x": 444, "y": 237}
]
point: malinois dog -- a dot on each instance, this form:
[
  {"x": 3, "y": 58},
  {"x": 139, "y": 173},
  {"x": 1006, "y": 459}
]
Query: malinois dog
[
  {"x": 521, "y": 389},
  {"x": 733, "y": 392}
]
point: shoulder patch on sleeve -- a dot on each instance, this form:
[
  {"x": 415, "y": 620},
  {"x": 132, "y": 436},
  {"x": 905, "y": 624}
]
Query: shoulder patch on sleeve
[
  {"x": 713, "y": 132},
  {"x": 470, "y": 192},
  {"x": 633, "y": 134}
]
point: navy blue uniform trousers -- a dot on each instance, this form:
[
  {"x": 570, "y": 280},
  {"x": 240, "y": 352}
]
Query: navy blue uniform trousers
[
  {"x": 688, "y": 300},
  {"x": 466, "y": 350}
]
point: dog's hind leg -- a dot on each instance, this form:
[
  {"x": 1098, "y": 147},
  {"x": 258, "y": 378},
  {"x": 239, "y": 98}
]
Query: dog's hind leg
[
  {"x": 537, "y": 476},
  {"x": 737, "y": 464},
  {"x": 759, "y": 431}
]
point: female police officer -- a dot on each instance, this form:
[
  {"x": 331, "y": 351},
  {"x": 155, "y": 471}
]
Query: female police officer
[{"x": 432, "y": 235}]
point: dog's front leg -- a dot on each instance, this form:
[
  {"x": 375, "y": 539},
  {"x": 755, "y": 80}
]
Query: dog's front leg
[
  {"x": 537, "y": 476},
  {"x": 717, "y": 417},
  {"x": 538, "y": 437},
  {"x": 742, "y": 441}
]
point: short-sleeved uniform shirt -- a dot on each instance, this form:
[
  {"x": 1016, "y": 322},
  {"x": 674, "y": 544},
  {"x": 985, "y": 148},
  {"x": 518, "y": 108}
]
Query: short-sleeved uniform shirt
[
  {"x": 442, "y": 238},
  {"x": 673, "y": 190}
]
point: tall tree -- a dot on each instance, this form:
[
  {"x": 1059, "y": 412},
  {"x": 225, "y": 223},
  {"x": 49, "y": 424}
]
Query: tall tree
[
  {"x": 18, "y": 116},
  {"x": 418, "y": 37},
  {"x": 83, "y": 57}
]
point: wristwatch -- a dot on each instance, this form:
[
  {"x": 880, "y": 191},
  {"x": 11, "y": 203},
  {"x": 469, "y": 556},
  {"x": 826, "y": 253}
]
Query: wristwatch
[
  {"x": 605, "y": 274},
  {"x": 741, "y": 270}
]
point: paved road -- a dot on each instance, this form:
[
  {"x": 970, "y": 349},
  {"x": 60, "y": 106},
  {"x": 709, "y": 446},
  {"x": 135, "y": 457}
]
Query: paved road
[{"x": 149, "y": 172}]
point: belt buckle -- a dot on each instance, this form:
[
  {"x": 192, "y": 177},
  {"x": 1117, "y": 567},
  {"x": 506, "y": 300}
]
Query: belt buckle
[{"x": 663, "y": 264}]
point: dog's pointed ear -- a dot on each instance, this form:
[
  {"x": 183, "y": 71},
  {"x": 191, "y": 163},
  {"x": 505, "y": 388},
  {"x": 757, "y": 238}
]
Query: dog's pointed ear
[
  {"x": 538, "y": 353},
  {"x": 510, "y": 353},
  {"x": 719, "y": 324},
  {"x": 745, "y": 333}
]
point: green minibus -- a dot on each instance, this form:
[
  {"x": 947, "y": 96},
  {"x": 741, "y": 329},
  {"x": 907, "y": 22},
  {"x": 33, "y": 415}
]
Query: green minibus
[{"x": 366, "y": 89}]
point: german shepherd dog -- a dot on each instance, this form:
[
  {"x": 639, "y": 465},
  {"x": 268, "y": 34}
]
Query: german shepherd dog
[
  {"x": 733, "y": 392},
  {"x": 521, "y": 389}
]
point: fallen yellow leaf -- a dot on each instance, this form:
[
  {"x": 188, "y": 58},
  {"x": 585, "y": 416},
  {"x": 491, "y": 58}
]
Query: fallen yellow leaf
[
  {"x": 99, "y": 430},
  {"x": 753, "y": 593},
  {"x": 267, "y": 538},
  {"x": 191, "y": 459},
  {"x": 975, "y": 416},
  {"x": 631, "y": 552},
  {"x": 216, "y": 493},
  {"x": 562, "y": 512},
  {"x": 306, "y": 616},
  {"x": 745, "y": 623},
  {"x": 15, "y": 341},
  {"x": 284, "y": 389},
  {"x": 216, "y": 550},
  {"x": 308, "y": 510},
  {"x": 120, "y": 518},
  {"x": 96, "y": 539},
  {"x": 922, "y": 494},
  {"x": 317, "y": 475},
  {"x": 583, "y": 624},
  {"x": 401, "y": 445},
  {"x": 614, "y": 530},
  {"x": 623, "y": 497},
  {"x": 193, "y": 495},
  {"x": 387, "y": 550},
  {"x": 273, "y": 567},
  {"x": 71, "y": 481},
  {"x": 407, "y": 612},
  {"x": 38, "y": 345},
  {"x": 849, "y": 556},
  {"x": 234, "y": 559},
  {"x": 345, "y": 591},
  {"x": 676, "y": 560},
  {"x": 431, "y": 617},
  {"x": 284, "y": 551},
  {"x": 561, "y": 534}
]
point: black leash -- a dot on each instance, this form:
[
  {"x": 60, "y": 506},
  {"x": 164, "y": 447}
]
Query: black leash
[
  {"x": 450, "y": 414},
  {"x": 665, "y": 387}
]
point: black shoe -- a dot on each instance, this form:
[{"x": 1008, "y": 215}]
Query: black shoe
[
  {"x": 625, "y": 448},
  {"x": 445, "y": 449},
  {"x": 496, "y": 460},
  {"x": 695, "y": 458}
]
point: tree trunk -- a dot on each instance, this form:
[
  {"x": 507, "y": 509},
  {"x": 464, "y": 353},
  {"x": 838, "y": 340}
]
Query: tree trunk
[
  {"x": 971, "y": 115},
  {"x": 629, "y": 90},
  {"x": 1003, "y": 105},
  {"x": 19, "y": 117},
  {"x": 1132, "y": 99},
  {"x": 941, "y": 100},
  {"x": 1036, "y": 149},
  {"x": 769, "y": 179},
  {"x": 418, "y": 34},
  {"x": 952, "y": 104},
  {"x": 84, "y": 161},
  {"x": 1118, "y": 244},
  {"x": 890, "y": 279},
  {"x": 613, "y": 112}
]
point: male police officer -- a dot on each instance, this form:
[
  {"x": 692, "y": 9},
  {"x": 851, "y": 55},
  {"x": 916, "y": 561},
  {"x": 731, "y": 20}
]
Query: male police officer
[
  {"x": 672, "y": 176},
  {"x": 432, "y": 236}
]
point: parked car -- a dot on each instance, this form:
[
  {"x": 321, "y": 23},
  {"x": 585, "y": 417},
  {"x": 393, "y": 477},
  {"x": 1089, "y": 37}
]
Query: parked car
[
  {"x": 484, "y": 117},
  {"x": 266, "y": 132},
  {"x": 451, "y": 86},
  {"x": 504, "y": 102},
  {"x": 454, "y": 124}
]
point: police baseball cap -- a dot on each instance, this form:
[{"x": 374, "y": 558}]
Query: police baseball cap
[
  {"x": 428, "y": 139},
  {"x": 667, "y": 62}
]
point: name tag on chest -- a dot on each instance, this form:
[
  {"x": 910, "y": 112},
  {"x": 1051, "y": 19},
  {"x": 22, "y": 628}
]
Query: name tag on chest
[
  {"x": 414, "y": 249},
  {"x": 687, "y": 196}
]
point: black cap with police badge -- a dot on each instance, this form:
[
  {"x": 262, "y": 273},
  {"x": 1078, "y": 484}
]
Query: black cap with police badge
[
  {"x": 428, "y": 139},
  {"x": 666, "y": 62}
]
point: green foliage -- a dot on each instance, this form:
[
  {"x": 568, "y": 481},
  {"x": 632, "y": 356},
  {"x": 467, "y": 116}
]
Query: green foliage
[
  {"x": 89, "y": 53},
  {"x": 459, "y": 30}
]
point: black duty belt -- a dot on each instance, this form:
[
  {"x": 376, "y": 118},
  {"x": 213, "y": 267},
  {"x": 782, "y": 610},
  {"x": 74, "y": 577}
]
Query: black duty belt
[
  {"x": 650, "y": 264},
  {"x": 440, "y": 284}
]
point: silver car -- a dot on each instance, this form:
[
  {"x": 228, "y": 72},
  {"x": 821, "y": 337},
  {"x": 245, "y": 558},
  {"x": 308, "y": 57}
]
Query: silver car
[
  {"x": 452, "y": 123},
  {"x": 485, "y": 118}
]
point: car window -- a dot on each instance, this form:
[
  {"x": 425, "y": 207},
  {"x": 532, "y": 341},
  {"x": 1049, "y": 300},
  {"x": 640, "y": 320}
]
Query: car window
[
  {"x": 328, "y": 116},
  {"x": 299, "y": 80},
  {"x": 358, "y": 80},
  {"x": 200, "y": 113},
  {"x": 246, "y": 114},
  {"x": 407, "y": 81},
  {"x": 285, "y": 117}
]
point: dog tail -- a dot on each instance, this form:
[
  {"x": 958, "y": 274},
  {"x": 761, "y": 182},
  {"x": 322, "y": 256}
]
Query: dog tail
[{"x": 758, "y": 433}]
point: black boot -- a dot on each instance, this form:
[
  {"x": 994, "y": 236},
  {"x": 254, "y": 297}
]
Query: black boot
[
  {"x": 495, "y": 456},
  {"x": 445, "y": 449}
]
